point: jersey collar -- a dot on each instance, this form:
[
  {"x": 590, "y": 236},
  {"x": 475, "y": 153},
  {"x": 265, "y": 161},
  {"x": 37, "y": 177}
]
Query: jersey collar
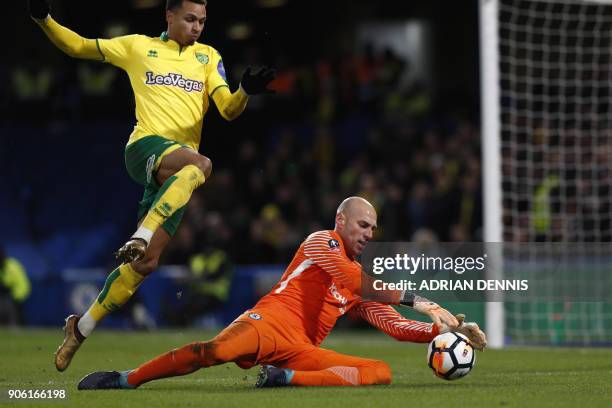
[{"x": 165, "y": 38}]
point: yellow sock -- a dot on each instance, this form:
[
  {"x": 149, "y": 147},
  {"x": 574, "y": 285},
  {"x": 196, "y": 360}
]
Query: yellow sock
[
  {"x": 173, "y": 194},
  {"x": 119, "y": 287}
]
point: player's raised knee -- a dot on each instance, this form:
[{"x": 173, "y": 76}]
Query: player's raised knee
[
  {"x": 146, "y": 265},
  {"x": 204, "y": 164}
]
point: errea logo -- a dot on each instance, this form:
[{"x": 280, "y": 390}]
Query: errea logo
[
  {"x": 152, "y": 53},
  {"x": 150, "y": 166}
]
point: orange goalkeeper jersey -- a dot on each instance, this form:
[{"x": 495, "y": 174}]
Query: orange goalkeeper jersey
[{"x": 321, "y": 284}]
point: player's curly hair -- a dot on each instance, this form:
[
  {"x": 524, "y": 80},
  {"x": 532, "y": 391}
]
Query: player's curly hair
[{"x": 174, "y": 4}]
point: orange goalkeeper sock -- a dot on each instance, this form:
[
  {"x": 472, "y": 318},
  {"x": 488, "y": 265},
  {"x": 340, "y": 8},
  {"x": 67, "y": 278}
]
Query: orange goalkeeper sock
[
  {"x": 238, "y": 341},
  {"x": 181, "y": 361}
]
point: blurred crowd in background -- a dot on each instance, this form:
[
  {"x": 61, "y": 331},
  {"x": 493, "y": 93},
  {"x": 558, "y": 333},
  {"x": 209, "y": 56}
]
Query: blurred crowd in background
[{"x": 346, "y": 129}]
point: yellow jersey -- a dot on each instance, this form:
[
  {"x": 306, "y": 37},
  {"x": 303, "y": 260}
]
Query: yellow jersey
[{"x": 171, "y": 83}]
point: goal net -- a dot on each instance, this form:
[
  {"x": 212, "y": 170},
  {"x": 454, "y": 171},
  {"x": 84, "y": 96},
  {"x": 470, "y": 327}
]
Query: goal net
[{"x": 547, "y": 151}]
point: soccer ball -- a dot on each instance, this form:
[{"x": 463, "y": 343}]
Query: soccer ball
[{"x": 451, "y": 356}]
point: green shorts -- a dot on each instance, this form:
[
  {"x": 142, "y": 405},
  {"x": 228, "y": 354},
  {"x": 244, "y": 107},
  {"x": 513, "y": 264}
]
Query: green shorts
[{"x": 142, "y": 159}]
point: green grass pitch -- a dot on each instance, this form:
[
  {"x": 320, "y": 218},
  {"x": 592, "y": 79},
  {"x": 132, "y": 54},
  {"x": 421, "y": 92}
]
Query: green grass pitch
[{"x": 515, "y": 377}]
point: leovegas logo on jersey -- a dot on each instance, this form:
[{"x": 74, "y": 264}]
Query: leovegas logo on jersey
[{"x": 172, "y": 79}]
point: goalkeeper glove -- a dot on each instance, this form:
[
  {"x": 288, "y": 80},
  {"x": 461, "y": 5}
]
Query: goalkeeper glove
[
  {"x": 472, "y": 332},
  {"x": 440, "y": 316},
  {"x": 257, "y": 83},
  {"x": 39, "y": 9}
]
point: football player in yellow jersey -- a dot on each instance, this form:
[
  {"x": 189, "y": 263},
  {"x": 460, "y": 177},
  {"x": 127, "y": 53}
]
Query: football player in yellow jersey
[{"x": 172, "y": 76}]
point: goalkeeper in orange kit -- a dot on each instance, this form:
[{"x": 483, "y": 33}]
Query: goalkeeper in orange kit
[{"x": 283, "y": 331}]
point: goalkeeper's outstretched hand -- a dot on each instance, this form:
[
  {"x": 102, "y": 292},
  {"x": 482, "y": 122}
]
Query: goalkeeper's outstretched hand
[
  {"x": 257, "y": 83},
  {"x": 39, "y": 9},
  {"x": 439, "y": 315},
  {"x": 472, "y": 332}
]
